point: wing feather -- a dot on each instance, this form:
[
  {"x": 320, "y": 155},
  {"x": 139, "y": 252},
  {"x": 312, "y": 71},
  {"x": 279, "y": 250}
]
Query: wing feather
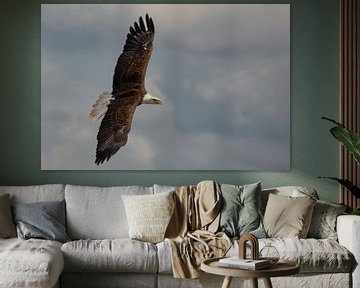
[
  {"x": 150, "y": 24},
  {"x": 142, "y": 24},
  {"x": 137, "y": 27},
  {"x": 115, "y": 127},
  {"x": 132, "y": 31},
  {"x": 132, "y": 63}
]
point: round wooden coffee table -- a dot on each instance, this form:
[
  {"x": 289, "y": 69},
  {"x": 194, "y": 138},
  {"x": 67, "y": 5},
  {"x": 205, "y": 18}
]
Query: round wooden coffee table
[{"x": 281, "y": 268}]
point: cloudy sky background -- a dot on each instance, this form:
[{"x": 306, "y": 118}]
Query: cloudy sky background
[{"x": 222, "y": 71}]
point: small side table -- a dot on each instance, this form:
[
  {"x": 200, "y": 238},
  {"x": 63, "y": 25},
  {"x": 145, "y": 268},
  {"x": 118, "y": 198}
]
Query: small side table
[{"x": 281, "y": 268}]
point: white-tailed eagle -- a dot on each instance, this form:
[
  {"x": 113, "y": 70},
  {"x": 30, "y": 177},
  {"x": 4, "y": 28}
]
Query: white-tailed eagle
[{"x": 128, "y": 91}]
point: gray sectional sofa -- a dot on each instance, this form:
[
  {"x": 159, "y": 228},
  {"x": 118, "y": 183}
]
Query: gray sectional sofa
[{"x": 100, "y": 253}]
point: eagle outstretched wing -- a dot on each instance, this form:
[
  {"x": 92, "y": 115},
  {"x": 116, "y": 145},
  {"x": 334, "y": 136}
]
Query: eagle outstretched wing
[
  {"x": 131, "y": 65},
  {"x": 128, "y": 89},
  {"x": 115, "y": 127}
]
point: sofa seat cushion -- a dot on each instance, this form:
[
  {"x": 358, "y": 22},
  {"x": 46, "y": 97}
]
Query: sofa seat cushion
[
  {"x": 313, "y": 255},
  {"x": 115, "y": 255},
  {"x": 30, "y": 263},
  {"x": 164, "y": 257},
  {"x": 108, "y": 280}
]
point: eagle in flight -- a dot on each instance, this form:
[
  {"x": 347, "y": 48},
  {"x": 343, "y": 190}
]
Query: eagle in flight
[{"x": 118, "y": 107}]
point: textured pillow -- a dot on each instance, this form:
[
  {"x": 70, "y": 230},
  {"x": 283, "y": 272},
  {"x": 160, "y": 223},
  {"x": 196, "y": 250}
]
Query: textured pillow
[
  {"x": 240, "y": 210},
  {"x": 7, "y": 227},
  {"x": 292, "y": 191},
  {"x": 323, "y": 222},
  {"x": 44, "y": 220},
  {"x": 149, "y": 215},
  {"x": 288, "y": 217}
]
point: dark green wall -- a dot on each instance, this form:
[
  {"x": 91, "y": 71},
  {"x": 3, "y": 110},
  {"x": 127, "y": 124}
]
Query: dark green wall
[{"x": 314, "y": 93}]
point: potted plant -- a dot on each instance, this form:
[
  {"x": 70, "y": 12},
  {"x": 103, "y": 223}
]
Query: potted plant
[{"x": 351, "y": 142}]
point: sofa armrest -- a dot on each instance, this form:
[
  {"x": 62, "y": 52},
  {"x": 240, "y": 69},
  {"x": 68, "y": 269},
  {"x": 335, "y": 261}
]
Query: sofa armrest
[{"x": 348, "y": 230}]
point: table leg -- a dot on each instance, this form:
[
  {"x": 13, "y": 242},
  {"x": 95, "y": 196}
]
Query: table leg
[
  {"x": 267, "y": 283},
  {"x": 227, "y": 282},
  {"x": 254, "y": 282}
]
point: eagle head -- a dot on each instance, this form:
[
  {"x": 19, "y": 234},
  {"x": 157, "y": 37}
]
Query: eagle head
[{"x": 148, "y": 99}]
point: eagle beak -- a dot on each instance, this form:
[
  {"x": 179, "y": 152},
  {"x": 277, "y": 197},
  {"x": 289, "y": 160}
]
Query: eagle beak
[{"x": 157, "y": 101}]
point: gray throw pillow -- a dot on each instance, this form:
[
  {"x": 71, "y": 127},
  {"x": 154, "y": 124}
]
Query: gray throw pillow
[
  {"x": 323, "y": 222},
  {"x": 240, "y": 213},
  {"x": 7, "y": 227},
  {"x": 44, "y": 220}
]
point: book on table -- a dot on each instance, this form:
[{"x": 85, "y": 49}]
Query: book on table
[{"x": 249, "y": 264}]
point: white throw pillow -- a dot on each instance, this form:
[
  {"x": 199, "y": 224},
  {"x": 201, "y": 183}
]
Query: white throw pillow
[{"x": 149, "y": 215}]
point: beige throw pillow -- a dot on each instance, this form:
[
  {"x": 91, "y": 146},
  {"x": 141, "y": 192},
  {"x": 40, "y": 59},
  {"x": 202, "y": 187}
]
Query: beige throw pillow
[
  {"x": 288, "y": 217},
  {"x": 7, "y": 226},
  {"x": 148, "y": 215}
]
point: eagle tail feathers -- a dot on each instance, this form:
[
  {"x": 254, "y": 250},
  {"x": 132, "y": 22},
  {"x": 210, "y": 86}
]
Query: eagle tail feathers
[{"x": 100, "y": 107}]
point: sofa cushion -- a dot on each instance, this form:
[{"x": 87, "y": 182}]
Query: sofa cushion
[
  {"x": 30, "y": 263},
  {"x": 109, "y": 280},
  {"x": 7, "y": 227},
  {"x": 313, "y": 255},
  {"x": 287, "y": 216},
  {"x": 323, "y": 222},
  {"x": 117, "y": 255},
  {"x": 164, "y": 257},
  {"x": 240, "y": 210},
  {"x": 149, "y": 215},
  {"x": 163, "y": 188},
  {"x": 36, "y": 193},
  {"x": 98, "y": 213},
  {"x": 291, "y": 191},
  {"x": 43, "y": 220}
]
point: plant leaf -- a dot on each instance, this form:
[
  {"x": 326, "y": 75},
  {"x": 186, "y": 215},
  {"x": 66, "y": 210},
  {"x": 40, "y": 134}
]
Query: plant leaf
[
  {"x": 349, "y": 139},
  {"x": 333, "y": 121},
  {"x": 355, "y": 211},
  {"x": 347, "y": 184}
]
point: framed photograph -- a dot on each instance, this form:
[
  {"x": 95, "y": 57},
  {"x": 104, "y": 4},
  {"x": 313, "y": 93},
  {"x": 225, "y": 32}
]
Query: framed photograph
[{"x": 216, "y": 76}]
